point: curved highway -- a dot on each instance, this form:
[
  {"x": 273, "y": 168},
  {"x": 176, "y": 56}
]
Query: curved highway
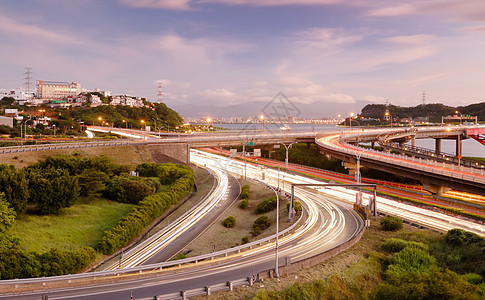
[
  {"x": 328, "y": 223},
  {"x": 437, "y": 173}
]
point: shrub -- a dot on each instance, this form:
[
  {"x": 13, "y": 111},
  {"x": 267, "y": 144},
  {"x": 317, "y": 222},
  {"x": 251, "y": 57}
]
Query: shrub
[
  {"x": 15, "y": 186},
  {"x": 296, "y": 206},
  {"x": 460, "y": 237},
  {"x": 245, "y": 240},
  {"x": 267, "y": 205},
  {"x": 245, "y": 191},
  {"x": 260, "y": 224},
  {"x": 15, "y": 263},
  {"x": 390, "y": 223},
  {"x": 52, "y": 189},
  {"x": 396, "y": 245},
  {"x": 229, "y": 222},
  {"x": 129, "y": 189},
  {"x": 244, "y": 203},
  {"x": 178, "y": 256},
  {"x": 148, "y": 209},
  {"x": 472, "y": 278}
]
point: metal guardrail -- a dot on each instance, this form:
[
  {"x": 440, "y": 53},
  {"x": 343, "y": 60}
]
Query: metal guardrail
[
  {"x": 203, "y": 291},
  {"x": 437, "y": 156},
  {"x": 31, "y": 148}
]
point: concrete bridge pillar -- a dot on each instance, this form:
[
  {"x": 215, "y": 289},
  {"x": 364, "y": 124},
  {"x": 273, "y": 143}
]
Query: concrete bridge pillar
[
  {"x": 352, "y": 167},
  {"x": 437, "y": 146},
  {"x": 458, "y": 145},
  {"x": 435, "y": 189},
  {"x": 372, "y": 145},
  {"x": 413, "y": 141}
]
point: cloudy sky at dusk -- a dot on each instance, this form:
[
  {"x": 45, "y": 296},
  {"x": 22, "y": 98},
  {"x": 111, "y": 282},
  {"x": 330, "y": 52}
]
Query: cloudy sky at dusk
[{"x": 224, "y": 52}]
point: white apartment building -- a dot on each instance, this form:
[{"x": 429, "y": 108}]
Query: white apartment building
[
  {"x": 19, "y": 95},
  {"x": 57, "y": 89}
]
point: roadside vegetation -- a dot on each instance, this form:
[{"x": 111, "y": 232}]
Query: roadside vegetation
[
  {"x": 404, "y": 264},
  {"x": 80, "y": 208}
]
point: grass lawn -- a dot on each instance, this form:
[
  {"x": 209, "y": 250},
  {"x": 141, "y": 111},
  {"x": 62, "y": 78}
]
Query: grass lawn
[{"x": 79, "y": 225}]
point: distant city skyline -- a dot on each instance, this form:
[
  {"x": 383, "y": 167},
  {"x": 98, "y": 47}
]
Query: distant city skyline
[{"x": 336, "y": 54}]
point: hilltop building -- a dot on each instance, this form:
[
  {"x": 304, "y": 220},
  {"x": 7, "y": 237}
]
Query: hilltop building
[
  {"x": 57, "y": 89},
  {"x": 19, "y": 95}
]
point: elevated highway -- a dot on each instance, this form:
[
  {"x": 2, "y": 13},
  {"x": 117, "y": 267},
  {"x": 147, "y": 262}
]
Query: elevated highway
[{"x": 436, "y": 175}]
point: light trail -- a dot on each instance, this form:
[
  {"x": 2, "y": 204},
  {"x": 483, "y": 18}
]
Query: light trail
[{"x": 147, "y": 249}]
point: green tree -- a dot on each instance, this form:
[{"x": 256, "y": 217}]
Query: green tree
[
  {"x": 229, "y": 222},
  {"x": 52, "y": 189},
  {"x": 14, "y": 185},
  {"x": 7, "y": 217}
]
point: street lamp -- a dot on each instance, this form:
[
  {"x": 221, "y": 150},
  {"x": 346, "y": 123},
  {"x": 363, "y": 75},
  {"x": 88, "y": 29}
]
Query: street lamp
[
  {"x": 100, "y": 120},
  {"x": 209, "y": 121},
  {"x": 155, "y": 124},
  {"x": 126, "y": 124},
  {"x": 350, "y": 119},
  {"x": 261, "y": 117},
  {"x": 388, "y": 114},
  {"x": 290, "y": 213},
  {"x": 143, "y": 123},
  {"x": 459, "y": 113}
]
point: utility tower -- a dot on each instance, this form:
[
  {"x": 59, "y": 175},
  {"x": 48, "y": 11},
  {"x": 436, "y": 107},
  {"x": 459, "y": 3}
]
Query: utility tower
[
  {"x": 159, "y": 98},
  {"x": 28, "y": 78},
  {"x": 424, "y": 98}
]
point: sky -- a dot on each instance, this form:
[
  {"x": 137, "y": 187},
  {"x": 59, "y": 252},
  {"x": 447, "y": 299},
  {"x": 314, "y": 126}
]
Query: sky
[{"x": 334, "y": 53}]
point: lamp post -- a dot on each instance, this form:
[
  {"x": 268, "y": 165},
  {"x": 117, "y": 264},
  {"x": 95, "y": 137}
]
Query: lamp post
[
  {"x": 357, "y": 173},
  {"x": 261, "y": 117},
  {"x": 277, "y": 231},
  {"x": 155, "y": 124},
  {"x": 350, "y": 120},
  {"x": 100, "y": 120},
  {"x": 287, "y": 148},
  {"x": 143, "y": 123}
]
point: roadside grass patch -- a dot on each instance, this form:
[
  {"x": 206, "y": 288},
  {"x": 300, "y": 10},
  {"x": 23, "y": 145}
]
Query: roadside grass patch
[{"x": 79, "y": 225}]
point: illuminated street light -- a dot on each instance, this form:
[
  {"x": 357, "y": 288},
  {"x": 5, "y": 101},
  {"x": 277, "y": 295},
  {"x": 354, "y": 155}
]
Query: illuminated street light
[
  {"x": 459, "y": 113},
  {"x": 388, "y": 114},
  {"x": 350, "y": 119}
]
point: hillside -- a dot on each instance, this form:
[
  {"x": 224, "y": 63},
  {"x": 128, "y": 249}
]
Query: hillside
[{"x": 435, "y": 111}]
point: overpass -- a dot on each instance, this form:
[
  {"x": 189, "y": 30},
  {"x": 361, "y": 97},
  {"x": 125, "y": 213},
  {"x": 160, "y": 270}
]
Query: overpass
[{"x": 436, "y": 175}]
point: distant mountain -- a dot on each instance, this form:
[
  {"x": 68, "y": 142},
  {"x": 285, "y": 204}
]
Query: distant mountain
[{"x": 434, "y": 111}]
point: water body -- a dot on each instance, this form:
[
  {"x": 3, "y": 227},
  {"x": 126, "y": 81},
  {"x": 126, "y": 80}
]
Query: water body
[{"x": 470, "y": 147}]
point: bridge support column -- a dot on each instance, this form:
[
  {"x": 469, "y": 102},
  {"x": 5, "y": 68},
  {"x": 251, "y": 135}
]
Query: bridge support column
[
  {"x": 458, "y": 145},
  {"x": 351, "y": 167},
  {"x": 435, "y": 189},
  {"x": 372, "y": 145},
  {"x": 413, "y": 141},
  {"x": 437, "y": 146}
]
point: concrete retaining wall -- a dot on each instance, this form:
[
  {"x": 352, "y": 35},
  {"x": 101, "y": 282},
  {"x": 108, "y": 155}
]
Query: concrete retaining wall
[{"x": 170, "y": 152}]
